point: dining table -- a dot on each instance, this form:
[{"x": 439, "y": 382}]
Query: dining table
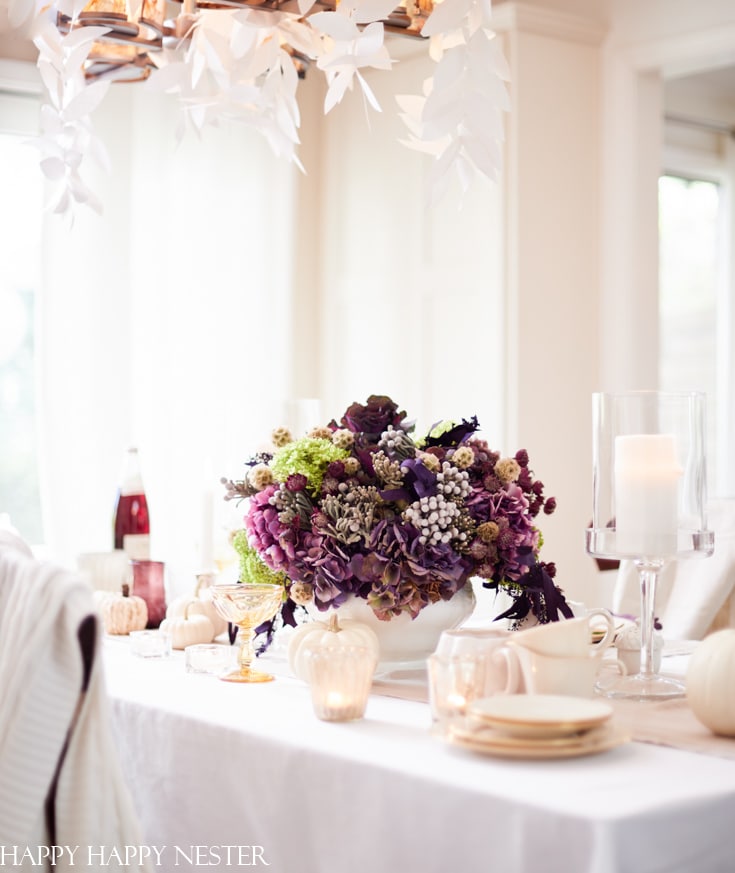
[{"x": 236, "y": 775}]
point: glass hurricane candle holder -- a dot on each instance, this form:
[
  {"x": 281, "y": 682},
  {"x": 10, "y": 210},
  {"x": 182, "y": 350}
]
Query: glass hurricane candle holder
[
  {"x": 340, "y": 678},
  {"x": 649, "y": 504},
  {"x": 247, "y": 604}
]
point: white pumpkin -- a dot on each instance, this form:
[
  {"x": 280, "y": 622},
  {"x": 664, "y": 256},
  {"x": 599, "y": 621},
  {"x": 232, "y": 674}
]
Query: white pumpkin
[
  {"x": 710, "y": 682},
  {"x": 319, "y": 634},
  {"x": 198, "y": 605},
  {"x": 189, "y": 629},
  {"x": 122, "y": 613}
]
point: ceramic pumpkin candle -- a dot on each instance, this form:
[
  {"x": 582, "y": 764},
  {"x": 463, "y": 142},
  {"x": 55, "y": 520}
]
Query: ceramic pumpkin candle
[{"x": 319, "y": 634}]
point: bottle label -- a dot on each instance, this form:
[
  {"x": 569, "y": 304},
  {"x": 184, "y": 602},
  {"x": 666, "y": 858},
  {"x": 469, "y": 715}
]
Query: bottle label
[{"x": 137, "y": 546}]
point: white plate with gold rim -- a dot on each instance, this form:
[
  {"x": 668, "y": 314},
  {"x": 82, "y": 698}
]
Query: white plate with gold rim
[
  {"x": 490, "y": 742},
  {"x": 539, "y": 715}
]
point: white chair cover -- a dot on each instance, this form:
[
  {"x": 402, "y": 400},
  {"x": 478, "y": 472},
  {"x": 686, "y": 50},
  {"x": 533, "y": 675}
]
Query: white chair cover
[
  {"x": 694, "y": 596},
  {"x": 60, "y": 780}
]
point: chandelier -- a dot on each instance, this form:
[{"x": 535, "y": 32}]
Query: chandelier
[{"x": 242, "y": 60}]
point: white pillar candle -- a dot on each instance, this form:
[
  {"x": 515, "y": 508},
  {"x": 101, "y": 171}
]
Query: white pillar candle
[
  {"x": 647, "y": 474},
  {"x": 206, "y": 545}
]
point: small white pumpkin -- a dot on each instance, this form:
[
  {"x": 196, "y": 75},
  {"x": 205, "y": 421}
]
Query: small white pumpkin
[
  {"x": 189, "y": 629},
  {"x": 318, "y": 634},
  {"x": 122, "y": 613},
  {"x": 710, "y": 682},
  {"x": 200, "y": 604}
]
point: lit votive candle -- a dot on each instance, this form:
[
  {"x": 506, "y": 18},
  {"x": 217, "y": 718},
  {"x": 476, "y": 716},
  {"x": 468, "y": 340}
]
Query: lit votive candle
[
  {"x": 647, "y": 474},
  {"x": 211, "y": 658},
  {"x": 454, "y": 681},
  {"x": 340, "y": 678},
  {"x": 150, "y": 643}
]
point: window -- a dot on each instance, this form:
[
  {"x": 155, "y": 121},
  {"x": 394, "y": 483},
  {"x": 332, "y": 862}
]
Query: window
[
  {"x": 20, "y": 229},
  {"x": 689, "y": 270}
]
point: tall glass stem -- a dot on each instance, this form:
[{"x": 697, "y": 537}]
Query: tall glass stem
[
  {"x": 246, "y": 655},
  {"x": 648, "y": 575}
]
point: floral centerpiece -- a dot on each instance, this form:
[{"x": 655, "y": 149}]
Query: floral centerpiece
[{"x": 363, "y": 508}]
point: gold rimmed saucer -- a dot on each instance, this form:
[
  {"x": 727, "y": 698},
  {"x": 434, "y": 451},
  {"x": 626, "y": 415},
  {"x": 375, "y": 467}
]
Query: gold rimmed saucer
[
  {"x": 488, "y": 741},
  {"x": 537, "y": 716}
]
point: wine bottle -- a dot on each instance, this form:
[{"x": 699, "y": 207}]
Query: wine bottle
[{"x": 131, "y": 520}]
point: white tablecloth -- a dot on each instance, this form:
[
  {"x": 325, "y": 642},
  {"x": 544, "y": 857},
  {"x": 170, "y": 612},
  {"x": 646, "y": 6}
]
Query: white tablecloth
[{"x": 214, "y": 764}]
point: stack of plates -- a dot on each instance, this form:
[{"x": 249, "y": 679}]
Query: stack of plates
[{"x": 537, "y": 726}]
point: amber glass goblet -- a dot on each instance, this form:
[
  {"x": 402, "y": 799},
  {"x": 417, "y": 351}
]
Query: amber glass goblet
[{"x": 247, "y": 604}]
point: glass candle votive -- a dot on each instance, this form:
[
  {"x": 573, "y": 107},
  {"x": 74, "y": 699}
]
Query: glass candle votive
[
  {"x": 454, "y": 682},
  {"x": 340, "y": 678},
  {"x": 148, "y": 583},
  {"x": 208, "y": 658},
  {"x": 150, "y": 643}
]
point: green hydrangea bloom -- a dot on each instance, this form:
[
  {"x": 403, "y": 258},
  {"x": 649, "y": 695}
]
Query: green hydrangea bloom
[
  {"x": 252, "y": 567},
  {"x": 307, "y": 456}
]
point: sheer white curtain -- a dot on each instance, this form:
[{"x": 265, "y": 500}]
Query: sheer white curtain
[{"x": 165, "y": 324}]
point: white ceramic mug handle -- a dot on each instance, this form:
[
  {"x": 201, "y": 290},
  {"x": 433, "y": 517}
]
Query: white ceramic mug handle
[
  {"x": 513, "y": 671},
  {"x": 608, "y": 638}
]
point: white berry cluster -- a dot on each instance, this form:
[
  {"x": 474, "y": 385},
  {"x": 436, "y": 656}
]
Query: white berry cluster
[
  {"x": 453, "y": 483},
  {"x": 436, "y": 518},
  {"x": 397, "y": 444}
]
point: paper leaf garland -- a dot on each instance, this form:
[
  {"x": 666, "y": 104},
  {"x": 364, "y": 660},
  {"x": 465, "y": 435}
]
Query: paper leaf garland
[{"x": 238, "y": 63}]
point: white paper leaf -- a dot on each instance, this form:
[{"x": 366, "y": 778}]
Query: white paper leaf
[
  {"x": 52, "y": 81},
  {"x": 333, "y": 24},
  {"x": 170, "y": 78},
  {"x": 63, "y": 203},
  {"x": 446, "y": 16},
  {"x": 50, "y": 122},
  {"x": 53, "y": 168},
  {"x": 371, "y": 39},
  {"x": 86, "y": 101},
  {"x": 79, "y": 190},
  {"x": 366, "y": 90},
  {"x": 47, "y": 40},
  {"x": 83, "y": 36},
  {"x": 300, "y": 37},
  {"x": 484, "y": 157},
  {"x": 375, "y": 10},
  {"x": 78, "y": 56},
  {"x": 94, "y": 202},
  {"x": 450, "y": 69},
  {"x": 243, "y": 39},
  {"x": 336, "y": 91},
  {"x": 305, "y": 6},
  {"x": 500, "y": 61}
]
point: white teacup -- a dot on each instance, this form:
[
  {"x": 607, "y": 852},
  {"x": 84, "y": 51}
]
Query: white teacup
[
  {"x": 552, "y": 674},
  {"x": 568, "y": 638},
  {"x": 498, "y": 675}
]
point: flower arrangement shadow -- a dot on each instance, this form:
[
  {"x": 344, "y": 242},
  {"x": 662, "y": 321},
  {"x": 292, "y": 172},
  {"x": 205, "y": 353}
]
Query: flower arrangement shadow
[{"x": 362, "y": 508}]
